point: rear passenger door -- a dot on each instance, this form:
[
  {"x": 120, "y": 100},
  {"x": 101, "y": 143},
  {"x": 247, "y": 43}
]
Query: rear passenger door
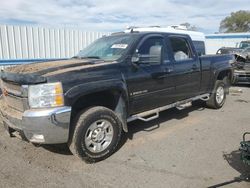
[{"x": 187, "y": 70}]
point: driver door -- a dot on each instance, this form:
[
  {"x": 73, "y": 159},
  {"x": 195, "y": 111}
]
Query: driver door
[{"x": 150, "y": 83}]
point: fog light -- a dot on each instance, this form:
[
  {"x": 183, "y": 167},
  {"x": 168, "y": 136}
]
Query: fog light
[{"x": 38, "y": 138}]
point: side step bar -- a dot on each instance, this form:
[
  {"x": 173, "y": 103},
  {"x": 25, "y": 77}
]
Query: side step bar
[{"x": 153, "y": 114}]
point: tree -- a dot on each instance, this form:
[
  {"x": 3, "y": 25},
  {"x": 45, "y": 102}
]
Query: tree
[
  {"x": 237, "y": 22},
  {"x": 189, "y": 26}
]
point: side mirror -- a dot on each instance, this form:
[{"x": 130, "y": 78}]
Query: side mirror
[
  {"x": 141, "y": 59},
  {"x": 135, "y": 58}
]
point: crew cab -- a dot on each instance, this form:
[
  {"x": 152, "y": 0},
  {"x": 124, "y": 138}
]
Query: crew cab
[{"x": 87, "y": 101}]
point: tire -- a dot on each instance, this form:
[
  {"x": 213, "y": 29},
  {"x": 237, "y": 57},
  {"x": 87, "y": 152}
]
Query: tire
[
  {"x": 96, "y": 135},
  {"x": 218, "y": 96}
]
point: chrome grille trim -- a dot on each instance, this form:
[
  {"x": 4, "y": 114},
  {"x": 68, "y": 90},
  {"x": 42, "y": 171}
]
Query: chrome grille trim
[{"x": 16, "y": 97}]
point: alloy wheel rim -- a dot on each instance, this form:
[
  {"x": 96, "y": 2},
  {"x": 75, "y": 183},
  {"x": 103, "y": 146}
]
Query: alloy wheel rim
[{"x": 220, "y": 94}]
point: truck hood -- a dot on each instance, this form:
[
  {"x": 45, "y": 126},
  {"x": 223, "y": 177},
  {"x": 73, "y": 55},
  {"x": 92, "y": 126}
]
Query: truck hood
[
  {"x": 37, "y": 72},
  {"x": 243, "y": 66}
]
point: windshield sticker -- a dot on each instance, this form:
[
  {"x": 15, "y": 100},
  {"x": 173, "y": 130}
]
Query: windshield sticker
[{"x": 122, "y": 46}]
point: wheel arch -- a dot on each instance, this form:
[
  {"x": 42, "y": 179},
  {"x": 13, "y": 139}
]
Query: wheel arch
[
  {"x": 113, "y": 97},
  {"x": 221, "y": 75}
]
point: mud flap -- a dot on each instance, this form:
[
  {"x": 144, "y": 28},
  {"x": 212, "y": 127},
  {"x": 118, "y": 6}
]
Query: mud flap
[{"x": 120, "y": 111}]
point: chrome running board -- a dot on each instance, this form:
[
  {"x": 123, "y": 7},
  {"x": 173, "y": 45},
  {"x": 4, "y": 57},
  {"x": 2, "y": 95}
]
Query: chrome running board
[{"x": 153, "y": 114}]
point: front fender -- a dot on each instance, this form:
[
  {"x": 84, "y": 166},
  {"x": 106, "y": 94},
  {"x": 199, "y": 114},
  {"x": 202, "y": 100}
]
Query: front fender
[{"x": 83, "y": 89}]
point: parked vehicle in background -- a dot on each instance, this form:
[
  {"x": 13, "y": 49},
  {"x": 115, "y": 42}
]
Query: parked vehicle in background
[
  {"x": 244, "y": 44},
  {"x": 243, "y": 50},
  {"x": 228, "y": 50},
  {"x": 86, "y": 101},
  {"x": 246, "y": 53},
  {"x": 242, "y": 73},
  {"x": 241, "y": 64}
]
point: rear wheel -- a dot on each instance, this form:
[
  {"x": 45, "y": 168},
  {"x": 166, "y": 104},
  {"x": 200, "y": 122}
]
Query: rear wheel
[
  {"x": 96, "y": 134},
  {"x": 218, "y": 96}
]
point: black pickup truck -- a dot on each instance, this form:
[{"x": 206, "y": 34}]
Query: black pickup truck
[{"x": 86, "y": 101}]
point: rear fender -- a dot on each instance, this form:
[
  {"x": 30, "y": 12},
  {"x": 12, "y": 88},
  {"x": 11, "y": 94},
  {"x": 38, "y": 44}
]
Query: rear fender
[{"x": 221, "y": 74}]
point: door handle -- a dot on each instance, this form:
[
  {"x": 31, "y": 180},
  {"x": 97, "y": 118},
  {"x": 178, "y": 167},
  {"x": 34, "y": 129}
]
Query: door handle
[{"x": 168, "y": 70}]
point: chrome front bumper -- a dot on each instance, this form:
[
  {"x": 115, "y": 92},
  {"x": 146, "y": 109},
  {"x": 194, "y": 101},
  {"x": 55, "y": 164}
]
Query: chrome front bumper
[{"x": 46, "y": 126}]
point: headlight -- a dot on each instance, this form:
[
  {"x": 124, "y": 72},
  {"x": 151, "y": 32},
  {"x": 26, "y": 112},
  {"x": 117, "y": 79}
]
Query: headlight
[{"x": 46, "y": 95}]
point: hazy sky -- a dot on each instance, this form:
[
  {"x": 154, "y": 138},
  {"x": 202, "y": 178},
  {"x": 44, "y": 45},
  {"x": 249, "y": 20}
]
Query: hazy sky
[{"x": 115, "y": 15}]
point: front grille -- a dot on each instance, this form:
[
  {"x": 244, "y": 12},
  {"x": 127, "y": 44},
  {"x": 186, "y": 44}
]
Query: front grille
[
  {"x": 15, "y": 102},
  {"x": 14, "y": 96},
  {"x": 245, "y": 75},
  {"x": 12, "y": 88}
]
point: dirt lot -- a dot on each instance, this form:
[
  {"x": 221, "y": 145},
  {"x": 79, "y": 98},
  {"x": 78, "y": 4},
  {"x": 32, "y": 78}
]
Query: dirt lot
[{"x": 195, "y": 147}]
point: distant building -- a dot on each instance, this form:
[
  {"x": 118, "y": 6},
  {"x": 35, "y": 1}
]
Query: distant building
[
  {"x": 216, "y": 41},
  {"x": 34, "y": 42}
]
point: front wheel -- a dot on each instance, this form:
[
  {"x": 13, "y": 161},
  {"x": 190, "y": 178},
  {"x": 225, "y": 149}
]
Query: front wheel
[
  {"x": 218, "y": 96},
  {"x": 96, "y": 135}
]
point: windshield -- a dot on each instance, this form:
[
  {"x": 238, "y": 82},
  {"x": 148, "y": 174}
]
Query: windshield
[{"x": 108, "y": 48}]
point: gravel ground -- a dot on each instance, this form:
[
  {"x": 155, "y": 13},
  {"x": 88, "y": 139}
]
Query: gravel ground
[{"x": 195, "y": 147}]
